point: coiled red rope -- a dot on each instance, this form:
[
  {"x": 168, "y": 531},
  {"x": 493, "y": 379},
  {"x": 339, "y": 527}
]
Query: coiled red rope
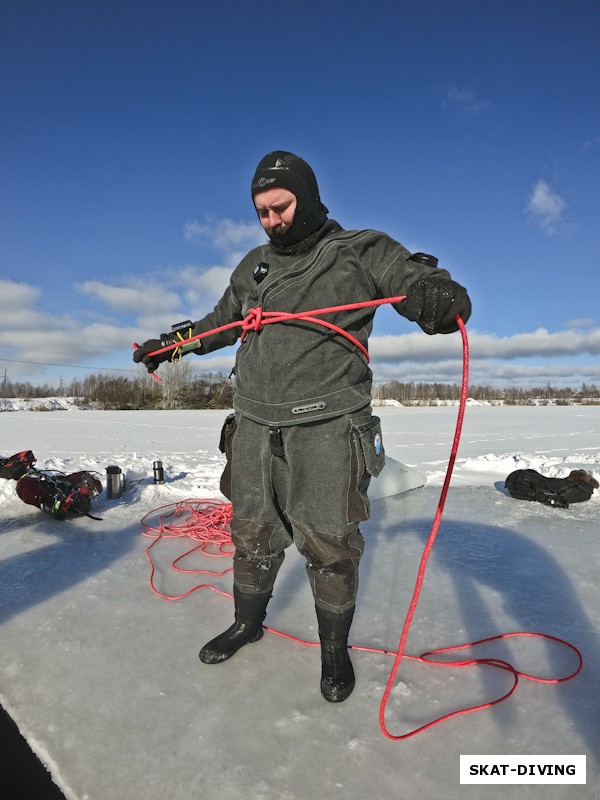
[
  {"x": 206, "y": 521},
  {"x": 202, "y": 521}
]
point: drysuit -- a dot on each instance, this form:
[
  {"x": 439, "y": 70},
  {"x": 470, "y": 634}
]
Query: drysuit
[{"x": 303, "y": 444}]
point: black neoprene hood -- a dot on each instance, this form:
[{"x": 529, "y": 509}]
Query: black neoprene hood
[{"x": 282, "y": 170}]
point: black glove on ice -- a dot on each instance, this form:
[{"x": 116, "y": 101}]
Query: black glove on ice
[
  {"x": 434, "y": 303},
  {"x": 149, "y": 346}
]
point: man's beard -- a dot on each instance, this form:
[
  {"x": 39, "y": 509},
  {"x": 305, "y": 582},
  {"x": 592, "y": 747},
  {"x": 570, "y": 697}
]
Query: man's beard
[
  {"x": 300, "y": 247},
  {"x": 279, "y": 230}
]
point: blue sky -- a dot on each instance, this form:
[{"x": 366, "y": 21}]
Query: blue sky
[{"x": 131, "y": 130}]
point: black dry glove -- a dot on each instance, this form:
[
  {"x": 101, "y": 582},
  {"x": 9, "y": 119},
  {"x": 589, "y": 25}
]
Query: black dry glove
[
  {"x": 141, "y": 354},
  {"x": 434, "y": 303},
  {"x": 179, "y": 333}
]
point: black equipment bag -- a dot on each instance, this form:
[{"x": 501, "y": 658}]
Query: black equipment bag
[
  {"x": 59, "y": 495},
  {"x": 13, "y": 467},
  {"x": 527, "y": 484}
]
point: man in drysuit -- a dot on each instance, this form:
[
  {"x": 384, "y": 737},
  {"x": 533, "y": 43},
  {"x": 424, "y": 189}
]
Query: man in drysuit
[{"x": 303, "y": 444}]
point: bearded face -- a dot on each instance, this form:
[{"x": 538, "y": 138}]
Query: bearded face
[{"x": 276, "y": 209}]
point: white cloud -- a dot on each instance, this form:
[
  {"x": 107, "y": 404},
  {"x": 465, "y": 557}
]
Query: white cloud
[
  {"x": 220, "y": 363},
  {"x": 233, "y": 239},
  {"x": 464, "y": 102},
  {"x": 545, "y": 208},
  {"x": 13, "y": 293},
  {"x": 590, "y": 144},
  {"x": 70, "y": 344},
  {"x": 19, "y": 313},
  {"x": 225, "y": 234},
  {"x": 581, "y": 324},
  {"x": 139, "y": 298},
  {"x": 536, "y": 344},
  {"x": 17, "y": 305},
  {"x": 202, "y": 286}
]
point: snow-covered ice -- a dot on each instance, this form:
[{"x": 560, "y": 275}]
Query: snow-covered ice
[{"x": 103, "y": 677}]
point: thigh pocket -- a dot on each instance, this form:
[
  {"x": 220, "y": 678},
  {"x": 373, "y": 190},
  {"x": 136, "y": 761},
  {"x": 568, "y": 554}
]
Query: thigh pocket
[
  {"x": 368, "y": 459},
  {"x": 369, "y": 445},
  {"x": 225, "y": 446}
]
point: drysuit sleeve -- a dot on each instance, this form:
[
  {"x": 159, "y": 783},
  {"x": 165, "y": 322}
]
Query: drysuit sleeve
[
  {"x": 432, "y": 298},
  {"x": 226, "y": 311}
]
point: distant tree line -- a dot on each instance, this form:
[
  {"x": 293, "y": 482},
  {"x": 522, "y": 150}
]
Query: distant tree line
[
  {"x": 428, "y": 393},
  {"x": 182, "y": 388}
]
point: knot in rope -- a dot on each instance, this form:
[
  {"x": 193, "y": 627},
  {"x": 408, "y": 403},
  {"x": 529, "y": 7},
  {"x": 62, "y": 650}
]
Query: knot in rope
[
  {"x": 252, "y": 322},
  {"x": 254, "y": 319}
]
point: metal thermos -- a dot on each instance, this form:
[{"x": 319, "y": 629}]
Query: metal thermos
[
  {"x": 114, "y": 482},
  {"x": 159, "y": 473}
]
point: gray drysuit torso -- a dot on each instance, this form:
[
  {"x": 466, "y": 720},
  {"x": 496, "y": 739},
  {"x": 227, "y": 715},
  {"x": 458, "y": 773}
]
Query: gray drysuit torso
[{"x": 295, "y": 372}]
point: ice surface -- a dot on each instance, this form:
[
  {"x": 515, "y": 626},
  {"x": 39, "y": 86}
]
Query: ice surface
[{"x": 103, "y": 679}]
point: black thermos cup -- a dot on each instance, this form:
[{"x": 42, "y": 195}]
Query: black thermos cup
[{"x": 159, "y": 473}]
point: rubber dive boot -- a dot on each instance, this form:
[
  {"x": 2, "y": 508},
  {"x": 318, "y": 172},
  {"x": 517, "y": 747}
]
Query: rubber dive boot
[
  {"x": 247, "y": 628},
  {"x": 337, "y": 673}
]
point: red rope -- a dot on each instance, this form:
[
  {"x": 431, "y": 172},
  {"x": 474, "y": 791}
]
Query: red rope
[
  {"x": 257, "y": 318},
  {"x": 207, "y": 521},
  {"x": 425, "y": 657},
  {"x": 204, "y": 521},
  {"x": 433, "y": 533}
]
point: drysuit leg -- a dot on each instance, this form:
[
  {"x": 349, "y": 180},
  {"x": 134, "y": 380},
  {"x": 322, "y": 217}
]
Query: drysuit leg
[
  {"x": 322, "y": 489},
  {"x": 324, "y": 482},
  {"x": 258, "y": 531}
]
